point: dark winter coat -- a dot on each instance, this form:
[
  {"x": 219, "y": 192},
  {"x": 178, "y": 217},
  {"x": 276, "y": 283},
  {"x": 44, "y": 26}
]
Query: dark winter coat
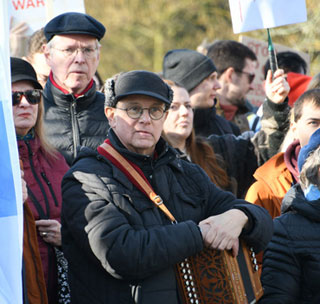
[
  {"x": 120, "y": 247},
  {"x": 245, "y": 153},
  {"x": 206, "y": 122},
  {"x": 43, "y": 175},
  {"x": 72, "y": 122},
  {"x": 291, "y": 262}
]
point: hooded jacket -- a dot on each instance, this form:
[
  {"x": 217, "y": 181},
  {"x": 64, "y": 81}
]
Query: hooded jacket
[
  {"x": 123, "y": 249},
  {"x": 291, "y": 262},
  {"x": 274, "y": 179}
]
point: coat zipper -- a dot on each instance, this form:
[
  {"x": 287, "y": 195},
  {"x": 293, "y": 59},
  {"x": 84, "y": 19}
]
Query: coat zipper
[
  {"x": 75, "y": 129},
  {"x": 38, "y": 179},
  {"x": 50, "y": 188}
]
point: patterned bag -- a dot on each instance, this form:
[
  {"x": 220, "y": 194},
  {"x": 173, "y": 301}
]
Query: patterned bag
[{"x": 63, "y": 285}]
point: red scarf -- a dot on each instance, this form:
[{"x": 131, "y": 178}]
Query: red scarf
[{"x": 66, "y": 92}]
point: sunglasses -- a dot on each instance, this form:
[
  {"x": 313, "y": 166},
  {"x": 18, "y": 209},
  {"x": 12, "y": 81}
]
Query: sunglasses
[
  {"x": 250, "y": 76},
  {"x": 32, "y": 96}
]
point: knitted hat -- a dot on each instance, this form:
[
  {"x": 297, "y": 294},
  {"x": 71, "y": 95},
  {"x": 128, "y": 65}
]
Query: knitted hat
[
  {"x": 74, "y": 23},
  {"x": 136, "y": 83},
  {"x": 305, "y": 151},
  {"x": 187, "y": 68},
  {"x": 22, "y": 70}
]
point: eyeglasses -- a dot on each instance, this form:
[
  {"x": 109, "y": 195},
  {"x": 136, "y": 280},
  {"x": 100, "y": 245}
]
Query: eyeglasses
[
  {"x": 88, "y": 52},
  {"x": 32, "y": 96},
  {"x": 135, "y": 112},
  {"x": 250, "y": 76}
]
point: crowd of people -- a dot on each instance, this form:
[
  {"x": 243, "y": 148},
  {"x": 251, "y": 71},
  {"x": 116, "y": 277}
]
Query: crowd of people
[{"x": 218, "y": 168}]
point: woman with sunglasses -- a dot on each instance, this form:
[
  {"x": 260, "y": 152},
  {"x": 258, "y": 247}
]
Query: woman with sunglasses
[{"x": 43, "y": 171}]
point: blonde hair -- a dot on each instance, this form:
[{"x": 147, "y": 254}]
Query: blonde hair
[{"x": 309, "y": 174}]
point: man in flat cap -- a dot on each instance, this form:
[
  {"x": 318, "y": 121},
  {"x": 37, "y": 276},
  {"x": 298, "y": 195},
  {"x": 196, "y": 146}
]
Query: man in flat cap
[
  {"x": 198, "y": 74},
  {"x": 73, "y": 107},
  {"x": 120, "y": 246}
]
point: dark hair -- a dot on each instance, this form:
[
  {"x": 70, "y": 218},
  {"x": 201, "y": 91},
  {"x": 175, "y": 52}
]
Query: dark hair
[
  {"x": 311, "y": 96},
  {"x": 289, "y": 62},
  {"x": 35, "y": 43},
  {"x": 229, "y": 53}
]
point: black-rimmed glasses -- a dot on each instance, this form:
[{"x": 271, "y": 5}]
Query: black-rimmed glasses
[
  {"x": 135, "y": 112},
  {"x": 32, "y": 96}
]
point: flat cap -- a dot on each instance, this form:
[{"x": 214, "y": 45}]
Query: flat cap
[
  {"x": 137, "y": 83},
  {"x": 74, "y": 23}
]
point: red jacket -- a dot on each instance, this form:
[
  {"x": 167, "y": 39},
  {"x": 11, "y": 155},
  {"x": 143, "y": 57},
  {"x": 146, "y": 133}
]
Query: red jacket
[{"x": 43, "y": 175}]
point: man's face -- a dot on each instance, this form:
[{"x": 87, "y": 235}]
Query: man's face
[
  {"x": 137, "y": 135},
  {"x": 73, "y": 60},
  {"x": 307, "y": 124},
  {"x": 203, "y": 95},
  {"x": 240, "y": 83}
]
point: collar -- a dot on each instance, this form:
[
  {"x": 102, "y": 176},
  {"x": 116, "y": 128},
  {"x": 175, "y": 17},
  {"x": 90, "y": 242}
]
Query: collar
[
  {"x": 291, "y": 159},
  {"x": 229, "y": 111},
  {"x": 89, "y": 86}
]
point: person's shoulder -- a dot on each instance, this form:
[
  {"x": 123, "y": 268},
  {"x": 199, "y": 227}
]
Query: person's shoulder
[{"x": 276, "y": 163}]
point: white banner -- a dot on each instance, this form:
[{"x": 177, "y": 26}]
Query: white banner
[
  {"x": 11, "y": 208},
  {"x": 44, "y": 10},
  {"x": 249, "y": 15}
]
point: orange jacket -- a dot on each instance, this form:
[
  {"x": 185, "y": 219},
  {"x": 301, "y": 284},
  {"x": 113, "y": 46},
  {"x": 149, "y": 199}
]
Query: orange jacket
[
  {"x": 273, "y": 180},
  {"x": 34, "y": 278}
]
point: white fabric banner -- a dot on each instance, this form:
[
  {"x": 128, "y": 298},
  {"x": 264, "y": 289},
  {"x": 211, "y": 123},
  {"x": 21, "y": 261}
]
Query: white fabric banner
[
  {"x": 36, "y": 13},
  {"x": 249, "y": 15},
  {"x": 11, "y": 208}
]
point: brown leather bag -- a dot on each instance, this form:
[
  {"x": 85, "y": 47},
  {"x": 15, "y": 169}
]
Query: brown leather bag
[{"x": 211, "y": 276}]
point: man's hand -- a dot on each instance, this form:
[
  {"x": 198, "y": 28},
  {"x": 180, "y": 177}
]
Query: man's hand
[
  {"x": 277, "y": 89},
  {"x": 50, "y": 230},
  {"x": 222, "y": 231}
]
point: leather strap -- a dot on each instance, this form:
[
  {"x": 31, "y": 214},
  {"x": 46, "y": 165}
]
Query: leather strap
[{"x": 156, "y": 199}]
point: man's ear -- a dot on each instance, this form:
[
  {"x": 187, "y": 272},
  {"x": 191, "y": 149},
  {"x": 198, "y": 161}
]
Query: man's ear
[
  {"x": 109, "y": 112},
  {"x": 227, "y": 74}
]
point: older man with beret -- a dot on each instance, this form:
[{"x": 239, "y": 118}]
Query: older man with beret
[
  {"x": 120, "y": 246},
  {"x": 73, "y": 107}
]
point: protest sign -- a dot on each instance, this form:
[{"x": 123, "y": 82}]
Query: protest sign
[
  {"x": 36, "y": 13},
  {"x": 260, "y": 48},
  {"x": 249, "y": 15}
]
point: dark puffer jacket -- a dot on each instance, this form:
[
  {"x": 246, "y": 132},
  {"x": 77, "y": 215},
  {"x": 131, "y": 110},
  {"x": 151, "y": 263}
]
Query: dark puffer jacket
[
  {"x": 120, "y": 247},
  {"x": 72, "y": 122},
  {"x": 291, "y": 262}
]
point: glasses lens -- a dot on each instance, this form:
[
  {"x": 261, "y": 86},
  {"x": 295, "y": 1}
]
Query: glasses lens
[
  {"x": 134, "y": 112},
  {"x": 251, "y": 77},
  {"x": 16, "y": 98},
  {"x": 156, "y": 113},
  {"x": 33, "y": 96}
]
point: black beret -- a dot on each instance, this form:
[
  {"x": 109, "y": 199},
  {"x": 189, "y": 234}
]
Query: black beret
[
  {"x": 74, "y": 23},
  {"x": 136, "y": 83},
  {"x": 187, "y": 67},
  {"x": 22, "y": 70}
]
